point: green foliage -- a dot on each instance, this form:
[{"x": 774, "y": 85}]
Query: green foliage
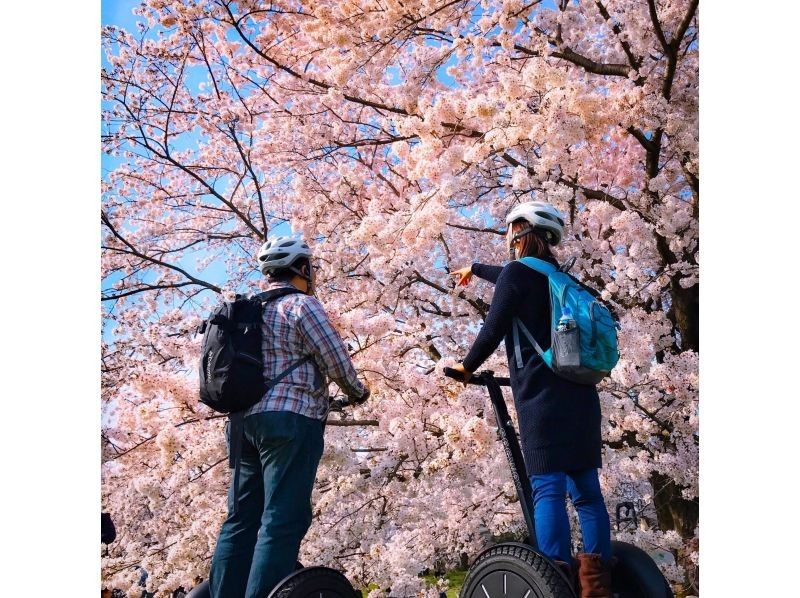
[{"x": 455, "y": 580}]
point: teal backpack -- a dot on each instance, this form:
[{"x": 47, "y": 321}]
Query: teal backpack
[{"x": 584, "y": 331}]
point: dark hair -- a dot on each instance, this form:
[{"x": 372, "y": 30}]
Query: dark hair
[
  {"x": 533, "y": 245},
  {"x": 286, "y": 274}
]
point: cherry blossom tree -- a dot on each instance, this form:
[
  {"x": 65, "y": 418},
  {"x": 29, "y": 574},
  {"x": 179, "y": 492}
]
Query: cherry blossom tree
[{"x": 395, "y": 136}]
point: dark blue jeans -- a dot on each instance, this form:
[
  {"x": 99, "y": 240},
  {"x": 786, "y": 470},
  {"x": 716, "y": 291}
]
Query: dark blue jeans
[
  {"x": 550, "y": 513},
  {"x": 258, "y": 545}
]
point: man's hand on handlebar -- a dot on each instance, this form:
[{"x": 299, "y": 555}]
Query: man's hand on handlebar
[
  {"x": 337, "y": 405},
  {"x": 341, "y": 403},
  {"x": 362, "y": 399}
]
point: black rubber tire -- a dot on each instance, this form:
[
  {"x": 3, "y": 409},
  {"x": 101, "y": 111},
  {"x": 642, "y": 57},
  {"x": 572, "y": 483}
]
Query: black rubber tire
[
  {"x": 315, "y": 582},
  {"x": 516, "y": 571},
  {"x": 635, "y": 574}
]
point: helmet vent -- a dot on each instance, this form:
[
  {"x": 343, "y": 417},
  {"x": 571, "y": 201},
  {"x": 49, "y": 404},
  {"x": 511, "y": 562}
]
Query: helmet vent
[{"x": 550, "y": 217}]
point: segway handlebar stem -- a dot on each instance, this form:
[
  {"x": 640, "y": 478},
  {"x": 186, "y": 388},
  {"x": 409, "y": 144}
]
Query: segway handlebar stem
[{"x": 509, "y": 440}]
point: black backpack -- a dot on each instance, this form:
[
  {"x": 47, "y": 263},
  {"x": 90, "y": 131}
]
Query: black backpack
[{"x": 231, "y": 362}]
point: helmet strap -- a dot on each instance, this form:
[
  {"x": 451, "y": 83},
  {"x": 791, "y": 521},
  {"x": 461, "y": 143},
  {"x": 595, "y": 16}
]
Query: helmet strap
[
  {"x": 512, "y": 251},
  {"x": 524, "y": 233}
]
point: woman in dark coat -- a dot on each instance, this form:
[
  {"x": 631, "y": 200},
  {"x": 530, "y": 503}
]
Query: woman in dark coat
[{"x": 559, "y": 420}]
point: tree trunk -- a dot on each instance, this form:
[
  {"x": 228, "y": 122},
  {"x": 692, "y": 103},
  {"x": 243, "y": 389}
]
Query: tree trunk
[
  {"x": 672, "y": 510},
  {"x": 685, "y": 310},
  {"x": 686, "y": 306},
  {"x": 676, "y": 513}
]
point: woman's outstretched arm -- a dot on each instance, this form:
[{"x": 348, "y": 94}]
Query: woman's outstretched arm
[
  {"x": 505, "y": 302},
  {"x": 487, "y": 272}
]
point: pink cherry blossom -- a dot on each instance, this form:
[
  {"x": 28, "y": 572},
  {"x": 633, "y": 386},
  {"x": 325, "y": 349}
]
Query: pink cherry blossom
[{"x": 395, "y": 137}]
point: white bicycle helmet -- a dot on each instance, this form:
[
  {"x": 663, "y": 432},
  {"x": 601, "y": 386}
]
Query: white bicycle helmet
[
  {"x": 542, "y": 216},
  {"x": 281, "y": 252}
]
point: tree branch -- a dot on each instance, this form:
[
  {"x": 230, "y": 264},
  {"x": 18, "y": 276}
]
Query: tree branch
[
  {"x": 651, "y": 4},
  {"x": 687, "y": 20},
  {"x": 133, "y": 251},
  {"x": 591, "y": 66},
  {"x": 149, "y": 287},
  {"x": 476, "y": 229},
  {"x": 479, "y": 304},
  {"x": 634, "y": 61}
]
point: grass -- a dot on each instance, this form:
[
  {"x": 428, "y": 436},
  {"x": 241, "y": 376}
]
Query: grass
[{"x": 455, "y": 579}]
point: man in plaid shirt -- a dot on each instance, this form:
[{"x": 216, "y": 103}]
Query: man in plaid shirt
[{"x": 282, "y": 445}]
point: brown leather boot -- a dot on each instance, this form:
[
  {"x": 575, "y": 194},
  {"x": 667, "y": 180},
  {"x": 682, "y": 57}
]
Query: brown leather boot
[{"x": 594, "y": 578}]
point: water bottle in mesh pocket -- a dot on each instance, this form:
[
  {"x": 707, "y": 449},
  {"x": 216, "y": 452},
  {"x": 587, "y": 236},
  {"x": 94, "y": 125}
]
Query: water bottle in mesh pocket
[{"x": 567, "y": 348}]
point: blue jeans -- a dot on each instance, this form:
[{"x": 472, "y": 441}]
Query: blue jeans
[
  {"x": 550, "y": 513},
  {"x": 258, "y": 545}
]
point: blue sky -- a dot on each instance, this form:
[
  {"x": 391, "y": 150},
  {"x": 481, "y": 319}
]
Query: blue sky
[
  {"x": 119, "y": 13},
  {"x": 115, "y": 12}
]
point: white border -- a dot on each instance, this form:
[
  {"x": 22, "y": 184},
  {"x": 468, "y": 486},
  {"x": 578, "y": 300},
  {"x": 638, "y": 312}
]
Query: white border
[
  {"x": 749, "y": 230},
  {"x": 50, "y": 299}
]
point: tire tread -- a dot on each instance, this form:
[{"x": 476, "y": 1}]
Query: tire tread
[
  {"x": 303, "y": 576},
  {"x": 542, "y": 568}
]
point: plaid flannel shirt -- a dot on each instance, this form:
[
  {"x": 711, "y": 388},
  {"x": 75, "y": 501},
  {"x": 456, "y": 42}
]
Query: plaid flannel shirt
[{"x": 294, "y": 326}]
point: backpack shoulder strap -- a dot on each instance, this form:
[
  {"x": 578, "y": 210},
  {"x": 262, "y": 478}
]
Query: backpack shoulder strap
[
  {"x": 541, "y": 266},
  {"x": 545, "y": 268},
  {"x": 517, "y": 325},
  {"x": 267, "y": 296}
]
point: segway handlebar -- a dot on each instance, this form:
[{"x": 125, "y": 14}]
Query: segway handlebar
[{"x": 480, "y": 378}]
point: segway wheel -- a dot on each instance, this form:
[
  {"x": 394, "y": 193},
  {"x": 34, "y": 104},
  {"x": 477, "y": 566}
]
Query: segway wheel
[
  {"x": 514, "y": 571},
  {"x": 635, "y": 574},
  {"x": 315, "y": 582}
]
